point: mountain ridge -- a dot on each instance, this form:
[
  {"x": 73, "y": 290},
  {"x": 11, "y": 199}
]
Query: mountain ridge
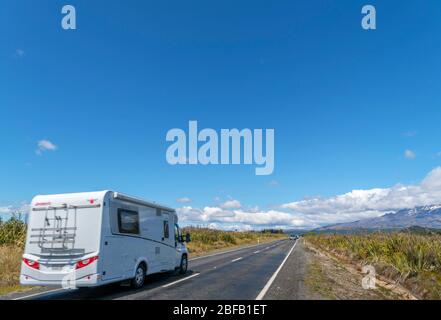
[{"x": 423, "y": 216}]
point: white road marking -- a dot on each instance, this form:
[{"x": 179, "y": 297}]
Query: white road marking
[
  {"x": 273, "y": 277},
  {"x": 38, "y": 294},
  {"x": 237, "y": 259},
  {"x": 267, "y": 248},
  {"x": 180, "y": 280},
  {"x": 255, "y": 252},
  {"x": 228, "y": 251}
]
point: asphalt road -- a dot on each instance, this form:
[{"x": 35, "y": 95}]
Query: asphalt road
[{"x": 247, "y": 273}]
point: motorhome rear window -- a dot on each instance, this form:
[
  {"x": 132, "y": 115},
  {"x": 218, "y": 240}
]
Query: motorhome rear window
[{"x": 128, "y": 221}]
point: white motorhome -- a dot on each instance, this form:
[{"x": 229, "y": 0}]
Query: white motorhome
[{"x": 95, "y": 238}]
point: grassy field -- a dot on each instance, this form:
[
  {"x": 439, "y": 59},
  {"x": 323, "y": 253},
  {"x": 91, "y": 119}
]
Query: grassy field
[
  {"x": 10, "y": 260},
  {"x": 414, "y": 260},
  {"x": 12, "y": 239},
  {"x": 13, "y": 234}
]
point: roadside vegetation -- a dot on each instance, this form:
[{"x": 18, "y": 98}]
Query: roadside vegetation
[
  {"x": 12, "y": 239},
  {"x": 411, "y": 259},
  {"x": 204, "y": 240}
]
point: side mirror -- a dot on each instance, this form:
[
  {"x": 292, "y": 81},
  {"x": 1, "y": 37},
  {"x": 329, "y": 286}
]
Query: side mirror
[
  {"x": 187, "y": 237},
  {"x": 180, "y": 239}
]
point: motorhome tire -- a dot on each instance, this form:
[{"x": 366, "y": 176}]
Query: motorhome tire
[{"x": 139, "y": 279}]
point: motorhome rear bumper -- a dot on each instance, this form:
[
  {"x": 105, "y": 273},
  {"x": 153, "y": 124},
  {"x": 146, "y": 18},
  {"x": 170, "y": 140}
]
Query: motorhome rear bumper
[
  {"x": 65, "y": 275},
  {"x": 91, "y": 280}
]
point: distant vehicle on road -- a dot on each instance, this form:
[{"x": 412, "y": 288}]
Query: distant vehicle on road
[
  {"x": 95, "y": 238},
  {"x": 293, "y": 237}
]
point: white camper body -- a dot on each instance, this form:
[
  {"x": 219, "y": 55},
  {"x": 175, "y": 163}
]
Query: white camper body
[{"x": 95, "y": 238}]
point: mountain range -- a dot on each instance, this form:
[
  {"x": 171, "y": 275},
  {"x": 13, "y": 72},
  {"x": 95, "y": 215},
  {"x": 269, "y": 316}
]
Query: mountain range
[{"x": 424, "y": 216}]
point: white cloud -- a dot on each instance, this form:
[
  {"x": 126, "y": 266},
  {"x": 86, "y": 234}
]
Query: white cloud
[
  {"x": 231, "y": 204},
  {"x": 45, "y": 145},
  {"x": 183, "y": 200},
  {"x": 8, "y": 211},
  {"x": 411, "y": 133},
  {"x": 359, "y": 204},
  {"x": 273, "y": 183},
  {"x": 317, "y": 211},
  {"x": 409, "y": 154},
  {"x": 238, "y": 219},
  {"x": 19, "y": 53},
  {"x": 230, "y": 227},
  {"x": 5, "y": 210}
]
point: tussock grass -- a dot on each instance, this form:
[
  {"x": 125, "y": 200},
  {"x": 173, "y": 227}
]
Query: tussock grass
[
  {"x": 204, "y": 240},
  {"x": 10, "y": 261},
  {"x": 412, "y": 259},
  {"x": 12, "y": 240},
  {"x": 13, "y": 232}
]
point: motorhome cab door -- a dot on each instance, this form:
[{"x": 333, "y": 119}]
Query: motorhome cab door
[
  {"x": 178, "y": 244},
  {"x": 168, "y": 256}
]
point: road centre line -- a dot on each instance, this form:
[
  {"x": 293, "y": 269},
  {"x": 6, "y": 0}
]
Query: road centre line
[{"x": 228, "y": 251}]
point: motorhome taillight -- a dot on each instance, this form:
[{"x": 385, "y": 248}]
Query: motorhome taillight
[
  {"x": 85, "y": 262},
  {"x": 31, "y": 263}
]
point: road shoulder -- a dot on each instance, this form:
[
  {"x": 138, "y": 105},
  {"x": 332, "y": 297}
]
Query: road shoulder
[
  {"x": 310, "y": 275},
  {"x": 290, "y": 283},
  {"x": 350, "y": 277}
]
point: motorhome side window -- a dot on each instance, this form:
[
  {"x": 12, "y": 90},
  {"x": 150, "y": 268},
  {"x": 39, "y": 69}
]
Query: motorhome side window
[
  {"x": 128, "y": 221},
  {"x": 166, "y": 233}
]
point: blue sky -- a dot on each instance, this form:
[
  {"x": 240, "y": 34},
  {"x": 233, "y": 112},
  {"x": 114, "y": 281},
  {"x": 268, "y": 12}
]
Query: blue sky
[{"x": 345, "y": 103}]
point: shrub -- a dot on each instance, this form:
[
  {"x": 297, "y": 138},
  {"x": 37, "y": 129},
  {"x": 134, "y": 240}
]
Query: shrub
[{"x": 13, "y": 232}]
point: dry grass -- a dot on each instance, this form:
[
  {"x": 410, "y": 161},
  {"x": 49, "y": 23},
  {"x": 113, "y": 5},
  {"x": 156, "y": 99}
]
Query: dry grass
[
  {"x": 411, "y": 259},
  {"x": 13, "y": 232},
  {"x": 12, "y": 239},
  {"x": 10, "y": 260},
  {"x": 205, "y": 240}
]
